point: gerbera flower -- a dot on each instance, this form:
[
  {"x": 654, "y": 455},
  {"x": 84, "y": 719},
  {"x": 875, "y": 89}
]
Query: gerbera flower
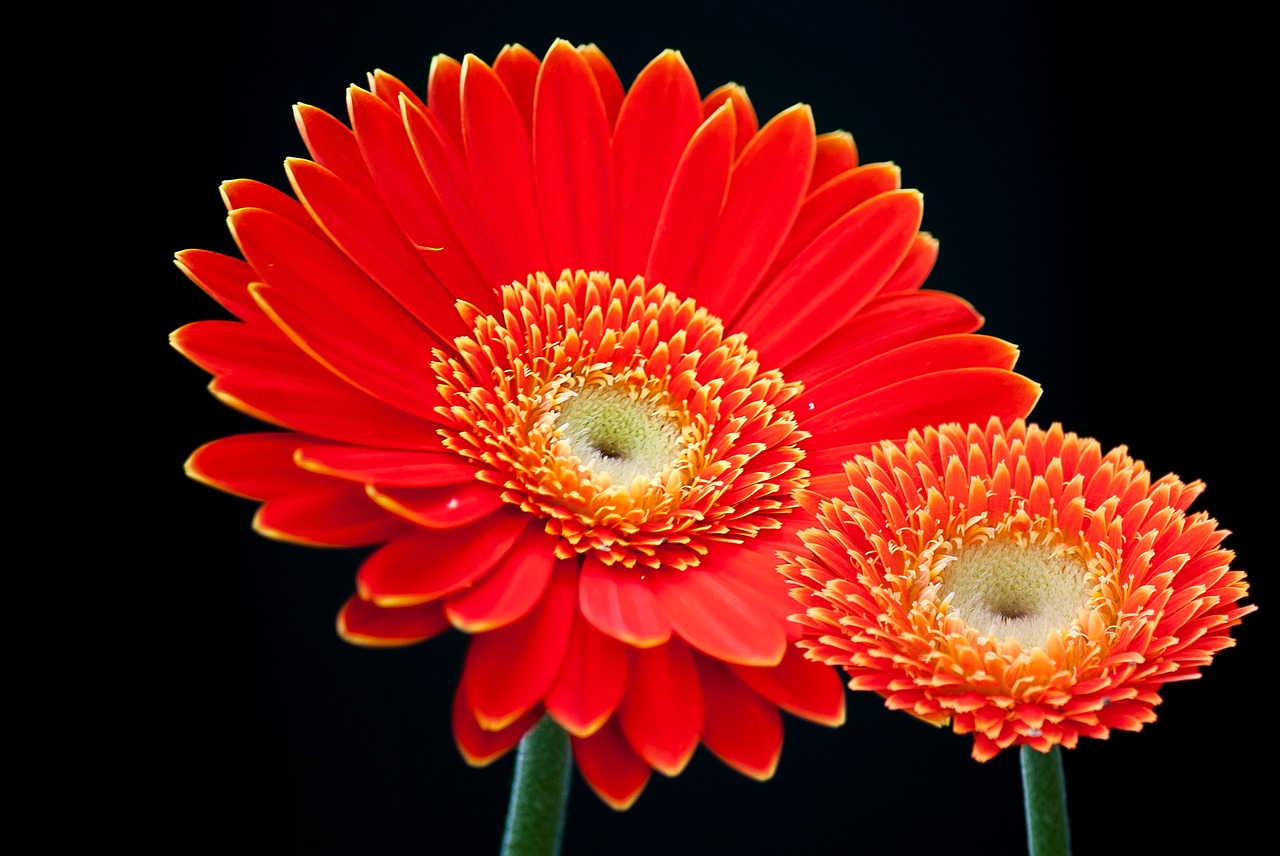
[
  {"x": 563, "y": 352},
  {"x": 1014, "y": 582}
]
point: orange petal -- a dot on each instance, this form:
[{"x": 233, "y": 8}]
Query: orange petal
[
  {"x": 510, "y": 590},
  {"x": 622, "y": 605},
  {"x": 591, "y": 681},
  {"x": 610, "y": 767},
  {"x": 661, "y": 712},
  {"x": 800, "y": 686},
  {"x": 739, "y": 726}
]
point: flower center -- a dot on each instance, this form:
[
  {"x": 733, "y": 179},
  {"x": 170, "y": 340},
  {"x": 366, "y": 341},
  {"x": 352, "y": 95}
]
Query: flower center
[
  {"x": 619, "y": 437},
  {"x": 1026, "y": 591},
  {"x": 624, "y": 417}
]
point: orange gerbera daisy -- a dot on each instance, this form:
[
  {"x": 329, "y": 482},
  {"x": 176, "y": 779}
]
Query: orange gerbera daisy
[
  {"x": 1014, "y": 582},
  {"x": 564, "y": 353}
]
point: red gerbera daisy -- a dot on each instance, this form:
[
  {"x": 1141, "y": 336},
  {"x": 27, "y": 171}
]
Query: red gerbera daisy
[
  {"x": 1014, "y": 582},
  {"x": 564, "y": 353}
]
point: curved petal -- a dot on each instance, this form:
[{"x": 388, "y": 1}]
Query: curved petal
[
  {"x": 736, "y": 97},
  {"x": 255, "y": 466},
  {"x": 661, "y": 712},
  {"x": 371, "y": 626},
  {"x": 409, "y": 197},
  {"x": 501, "y": 162},
  {"x": 390, "y": 90},
  {"x": 800, "y": 686},
  {"x": 610, "y": 767},
  {"x": 387, "y": 467},
  {"x": 765, "y": 191},
  {"x": 607, "y": 81},
  {"x": 836, "y": 153},
  {"x": 517, "y": 67},
  {"x": 444, "y": 94},
  {"x": 573, "y": 163},
  {"x": 739, "y": 726},
  {"x": 834, "y": 277},
  {"x": 428, "y": 564},
  {"x": 333, "y": 145},
  {"x": 445, "y": 507},
  {"x": 621, "y": 605},
  {"x": 916, "y": 267},
  {"x": 660, "y": 113},
  {"x": 507, "y": 670},
  {"x": 692, "y": 204},
  {"x": 722, "y": 617},
  {"x": 246, "y": 193},
  {"x": 226, "y": 280},
  {"x": 479, "y": 747},
  {"x": 373, "y": 241},
  {"x": 590, "y": 683},
  {"x": 331, "y": 516},
  {"x": 510, "y": 590}
]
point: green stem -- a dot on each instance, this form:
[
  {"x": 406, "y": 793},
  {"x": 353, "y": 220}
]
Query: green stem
[
  {"x": 539, "y": 792},
  {"x": 1044, "y": 797}
]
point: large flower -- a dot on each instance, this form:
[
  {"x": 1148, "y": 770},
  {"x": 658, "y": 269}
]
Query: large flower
[
  {"x": 563, "y": 353},
  {"x": 1015, "y": 582}
]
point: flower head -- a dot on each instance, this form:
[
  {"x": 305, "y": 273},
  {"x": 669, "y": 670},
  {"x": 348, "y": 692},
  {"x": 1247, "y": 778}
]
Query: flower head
[
  {"x": 562, "y": 353},
  {"x": 1014, "y": 582}
]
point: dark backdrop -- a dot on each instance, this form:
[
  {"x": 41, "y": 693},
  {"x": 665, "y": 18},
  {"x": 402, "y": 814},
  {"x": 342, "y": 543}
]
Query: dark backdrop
[{"x": 1097, "y": 183}]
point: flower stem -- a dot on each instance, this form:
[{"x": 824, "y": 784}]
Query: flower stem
[
  {"x": 1044, "y": 797},
  {"x": 539, "y": 792}
]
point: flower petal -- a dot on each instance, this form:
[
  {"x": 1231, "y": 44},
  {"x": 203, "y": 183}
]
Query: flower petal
[
  {"x": 387, "y": 467},
  {"x": 444, "y": 94},
  {"x": 225, "y": 279},
  {"x": 510, "y": 590},
  {"x": 836, "y": 153},
  {"x": 479, "y": 747},
  {"x": 333, "y": 145},
  {"x": 722, "y": 617},
  {"x": 573, "y": 163},
  {"x": 622, "y": 605},
  {"x": 661, "y": 712},
  {"x": 517, "y": 67},
  {"x": 591, "y": 681},
  {"x": 428, "y": 564},
  {"x": 255, "y": 466},
  {"x": 445, "y": 507},
  {"x": 916, "y": 267},
  {"x": 508, "y": 670},
  {"x": 739, "y": 726},
  {"x": 332, "y": 516},
  {"x": 610, "y": 767},
  {"x": 369, "y": 625},
  {"x": 800, "y": 686},
  {"x": 660, "y": 113}
]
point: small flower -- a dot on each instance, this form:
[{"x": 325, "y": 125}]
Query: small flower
[
  {"x": 563, "y": 353},
  {"x": 1014, "y": 582}
]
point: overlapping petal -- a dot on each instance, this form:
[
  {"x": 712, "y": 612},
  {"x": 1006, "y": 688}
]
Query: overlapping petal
[{"x": 566, "y": 353}]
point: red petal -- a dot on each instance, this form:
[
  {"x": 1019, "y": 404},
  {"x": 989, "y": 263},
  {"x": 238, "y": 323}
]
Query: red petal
[
  {"x": 659, "y": 115},
  {"x": 916, "y": 267},
  {"x": 510, "y": 591},
  {"x": 607, "y": 81},
  {"x": 622, "y": 605},
  {"x": 765, "y": 191},
  {"x": 255, "y": 466},
  {"x": 739, "y": 726},
  {"x": 337, "y": 315},
  {"x": 444, "y": 94},
  {"x": 837, "y": 275},
  {"x": 479, "y": 747},
  {"x": 262, "y": 373},
  {"x": 508, "y": 670},
  {"x": 225, "y": 279},
  {"x": 573, "y": 163},
  {"x": 369, "y": 625},
  {"x": 428, "y": 564},
  {"x": 333, "y": 516},
  {"x": 373, "y": 241},
  {"x": 387, "y": 467},
  {"x": 333, "y": 145},
  {"x": 800, "y": 686},
  {"x": 836, "y": 153},
  {"x": 735, "y": 96},
  {"x": 404, "y": 189},
  {"x": 444, "y": 507},
  {"x": 244, "y": 193},
  {"x": 692, "y": 204},
  {"x": 941, "y": 353},
  {"x": 517, "y": 67},
  {"x": 590, "y": 683},
  {"x": 722, "y": 617},
  {"x": 661, "y": 712},
  {"x": 610, "y": 767},
  {"x": 884, "y": 324},
  {"x": 391, "y": 89},
  {"x": 498, "y": 153},
  {"x": 957, "y": 395}
]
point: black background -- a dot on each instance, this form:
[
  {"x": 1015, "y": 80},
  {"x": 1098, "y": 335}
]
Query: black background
[{"x": 1098, "y": 185}]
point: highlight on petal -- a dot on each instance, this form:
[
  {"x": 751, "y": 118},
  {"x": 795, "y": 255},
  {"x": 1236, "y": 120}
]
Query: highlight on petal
[
  {"x": 575, "y": 359},
  {"x": 969, "y": 578}
]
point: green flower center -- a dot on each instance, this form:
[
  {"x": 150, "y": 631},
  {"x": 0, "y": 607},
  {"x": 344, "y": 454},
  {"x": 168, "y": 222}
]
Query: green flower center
[
  {"x": 618, "y": 435},
  {"x": 1004, "y": 589}
]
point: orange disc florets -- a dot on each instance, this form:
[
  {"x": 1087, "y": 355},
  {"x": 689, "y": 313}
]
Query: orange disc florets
[{"x": 623, "y": 416}]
